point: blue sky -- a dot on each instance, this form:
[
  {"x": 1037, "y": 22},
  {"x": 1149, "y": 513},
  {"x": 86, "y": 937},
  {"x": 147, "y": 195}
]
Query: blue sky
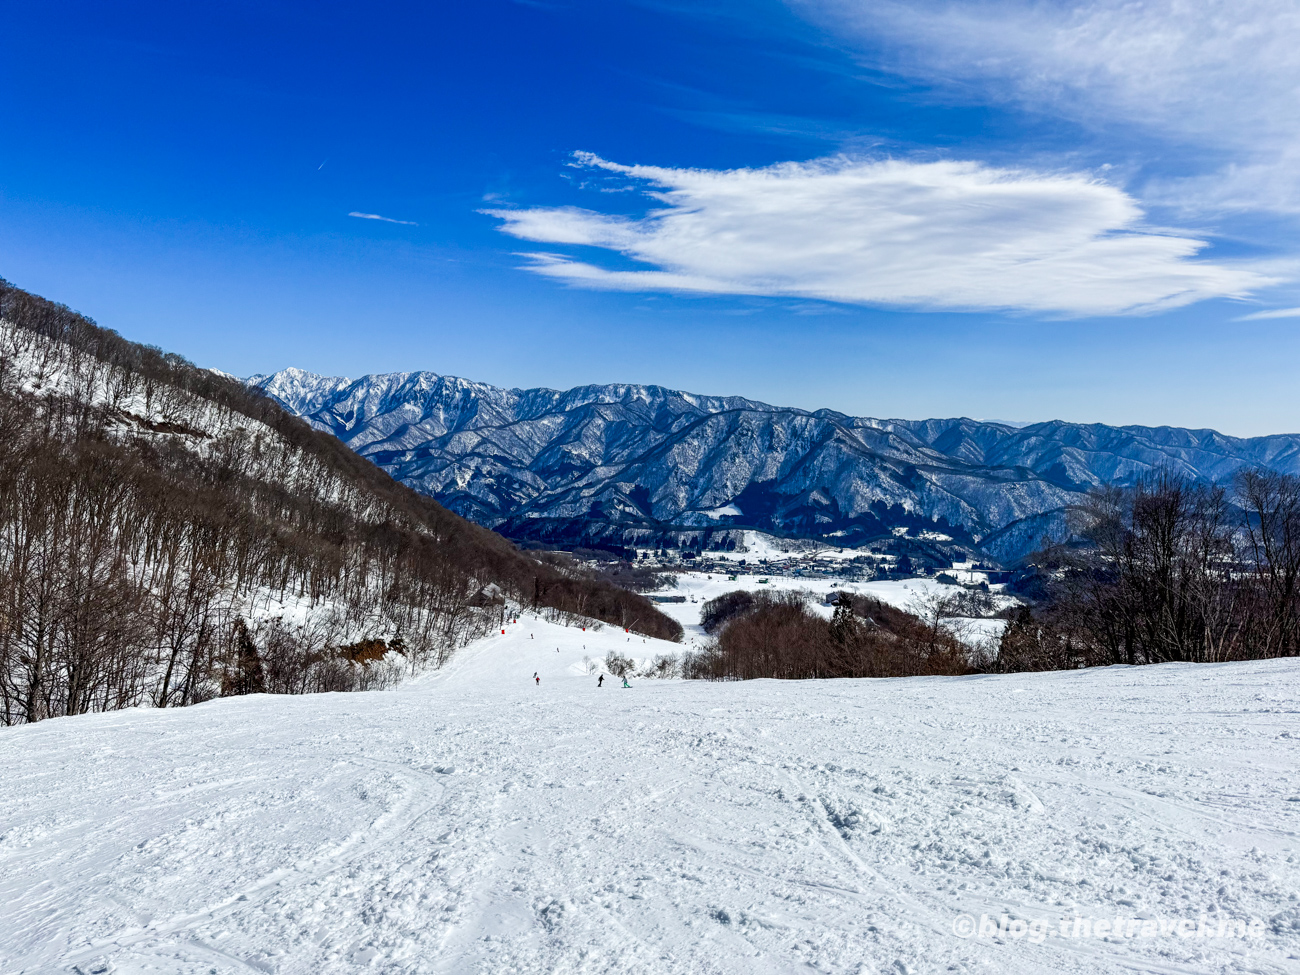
[{"x": 1002, "y": 208}]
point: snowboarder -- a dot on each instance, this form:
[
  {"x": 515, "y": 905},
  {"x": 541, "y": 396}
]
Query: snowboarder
[
  {"x": 536, "y": 678},
  {"x": 625, "y": 683},
  {"x": 600, "y": 680}
]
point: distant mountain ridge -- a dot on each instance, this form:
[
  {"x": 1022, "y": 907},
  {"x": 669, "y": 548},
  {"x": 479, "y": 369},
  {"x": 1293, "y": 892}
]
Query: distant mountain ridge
[{"x": 623, "y": 462}]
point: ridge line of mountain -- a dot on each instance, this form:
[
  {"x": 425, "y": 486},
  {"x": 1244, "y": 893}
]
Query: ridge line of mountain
[
  {"x": 257, "y": 379},
  {"x": 629, "y": 463}
]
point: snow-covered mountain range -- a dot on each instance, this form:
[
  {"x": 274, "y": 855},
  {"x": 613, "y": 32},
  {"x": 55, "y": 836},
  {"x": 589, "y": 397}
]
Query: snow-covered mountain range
[{"x": 624, "y": 462}]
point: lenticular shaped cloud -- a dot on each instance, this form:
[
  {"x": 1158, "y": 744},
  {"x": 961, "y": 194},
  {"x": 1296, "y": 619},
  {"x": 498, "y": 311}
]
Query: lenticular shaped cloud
[{"x": 936, "y": 235}]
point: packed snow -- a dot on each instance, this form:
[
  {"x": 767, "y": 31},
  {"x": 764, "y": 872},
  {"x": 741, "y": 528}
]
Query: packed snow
[{"x": 476, "y": 820}]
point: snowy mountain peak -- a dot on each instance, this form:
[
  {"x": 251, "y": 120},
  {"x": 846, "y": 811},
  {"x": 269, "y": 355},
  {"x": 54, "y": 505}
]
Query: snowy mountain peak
[
  {"x": 625, "y": 463},
  {"x": 298, "y": 390}
]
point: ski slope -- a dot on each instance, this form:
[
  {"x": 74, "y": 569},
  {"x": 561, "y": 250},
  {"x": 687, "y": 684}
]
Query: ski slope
[{"x": 474, "y": 821}]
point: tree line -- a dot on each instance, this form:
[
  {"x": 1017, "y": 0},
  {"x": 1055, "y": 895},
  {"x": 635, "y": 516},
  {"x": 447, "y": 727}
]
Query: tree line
[
  {"x": 168, "y": 535},
  {"x": 1166, "y": 569},
  {"x": 779, "y": 635}
]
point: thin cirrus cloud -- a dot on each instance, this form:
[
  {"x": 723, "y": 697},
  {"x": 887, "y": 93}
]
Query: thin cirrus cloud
[
  {"x": 376, "y": 216},
  {"x": 1221, "y": 75},
  {"x": 1271, "y": 313},
  {"x": 957, "y": 235}
]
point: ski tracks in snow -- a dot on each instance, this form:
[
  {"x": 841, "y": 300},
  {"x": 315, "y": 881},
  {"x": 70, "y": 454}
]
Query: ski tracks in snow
[{"x": 476, "y": 822}]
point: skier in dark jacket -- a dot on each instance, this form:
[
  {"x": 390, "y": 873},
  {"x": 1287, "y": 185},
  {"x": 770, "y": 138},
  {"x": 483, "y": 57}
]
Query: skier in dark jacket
[{"x": 600, "y": 680}]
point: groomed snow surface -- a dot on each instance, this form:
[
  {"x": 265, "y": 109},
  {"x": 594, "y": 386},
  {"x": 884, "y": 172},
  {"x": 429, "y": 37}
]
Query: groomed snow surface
[{"x": 474, "y": 821}]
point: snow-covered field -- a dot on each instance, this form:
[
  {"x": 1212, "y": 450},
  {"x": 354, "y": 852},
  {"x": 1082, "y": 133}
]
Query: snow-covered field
[{"x": 474, "y": 821}]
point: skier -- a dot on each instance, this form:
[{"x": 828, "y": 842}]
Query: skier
[
  {"x": 625, "y": 683},
  {"x": 536, "y": 678},
  {"x": 600, "y": 680}
]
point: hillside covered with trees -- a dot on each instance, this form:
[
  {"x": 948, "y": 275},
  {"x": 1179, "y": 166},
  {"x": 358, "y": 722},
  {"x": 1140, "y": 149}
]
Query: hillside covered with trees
[{"x": 168, "y": 535}]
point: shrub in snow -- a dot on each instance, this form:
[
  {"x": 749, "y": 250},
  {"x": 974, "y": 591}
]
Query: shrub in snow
[
  {"x": 664, "y": 667},
  {"x": 619, "y": 665}
]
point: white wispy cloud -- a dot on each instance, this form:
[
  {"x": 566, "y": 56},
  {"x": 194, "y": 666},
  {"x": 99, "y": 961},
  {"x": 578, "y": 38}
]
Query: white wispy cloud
[
  {"x": 376, "y": 216},
  {"x": 909, "y": 234},
  {"x": 1220, "y": 75},
  {"x": 1271, "y": 313}
]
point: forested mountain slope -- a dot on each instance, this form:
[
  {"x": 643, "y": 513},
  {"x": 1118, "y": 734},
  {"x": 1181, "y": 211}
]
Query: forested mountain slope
[
  {"x": 624, "y": 462},
  {"x": 167, "y": 535}
]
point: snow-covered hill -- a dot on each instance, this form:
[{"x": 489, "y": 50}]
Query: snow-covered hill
[
  {"x": 475, "y": 821},
  {"x": 620, "y": 462},
  {"x": 168, "y": 535}
]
